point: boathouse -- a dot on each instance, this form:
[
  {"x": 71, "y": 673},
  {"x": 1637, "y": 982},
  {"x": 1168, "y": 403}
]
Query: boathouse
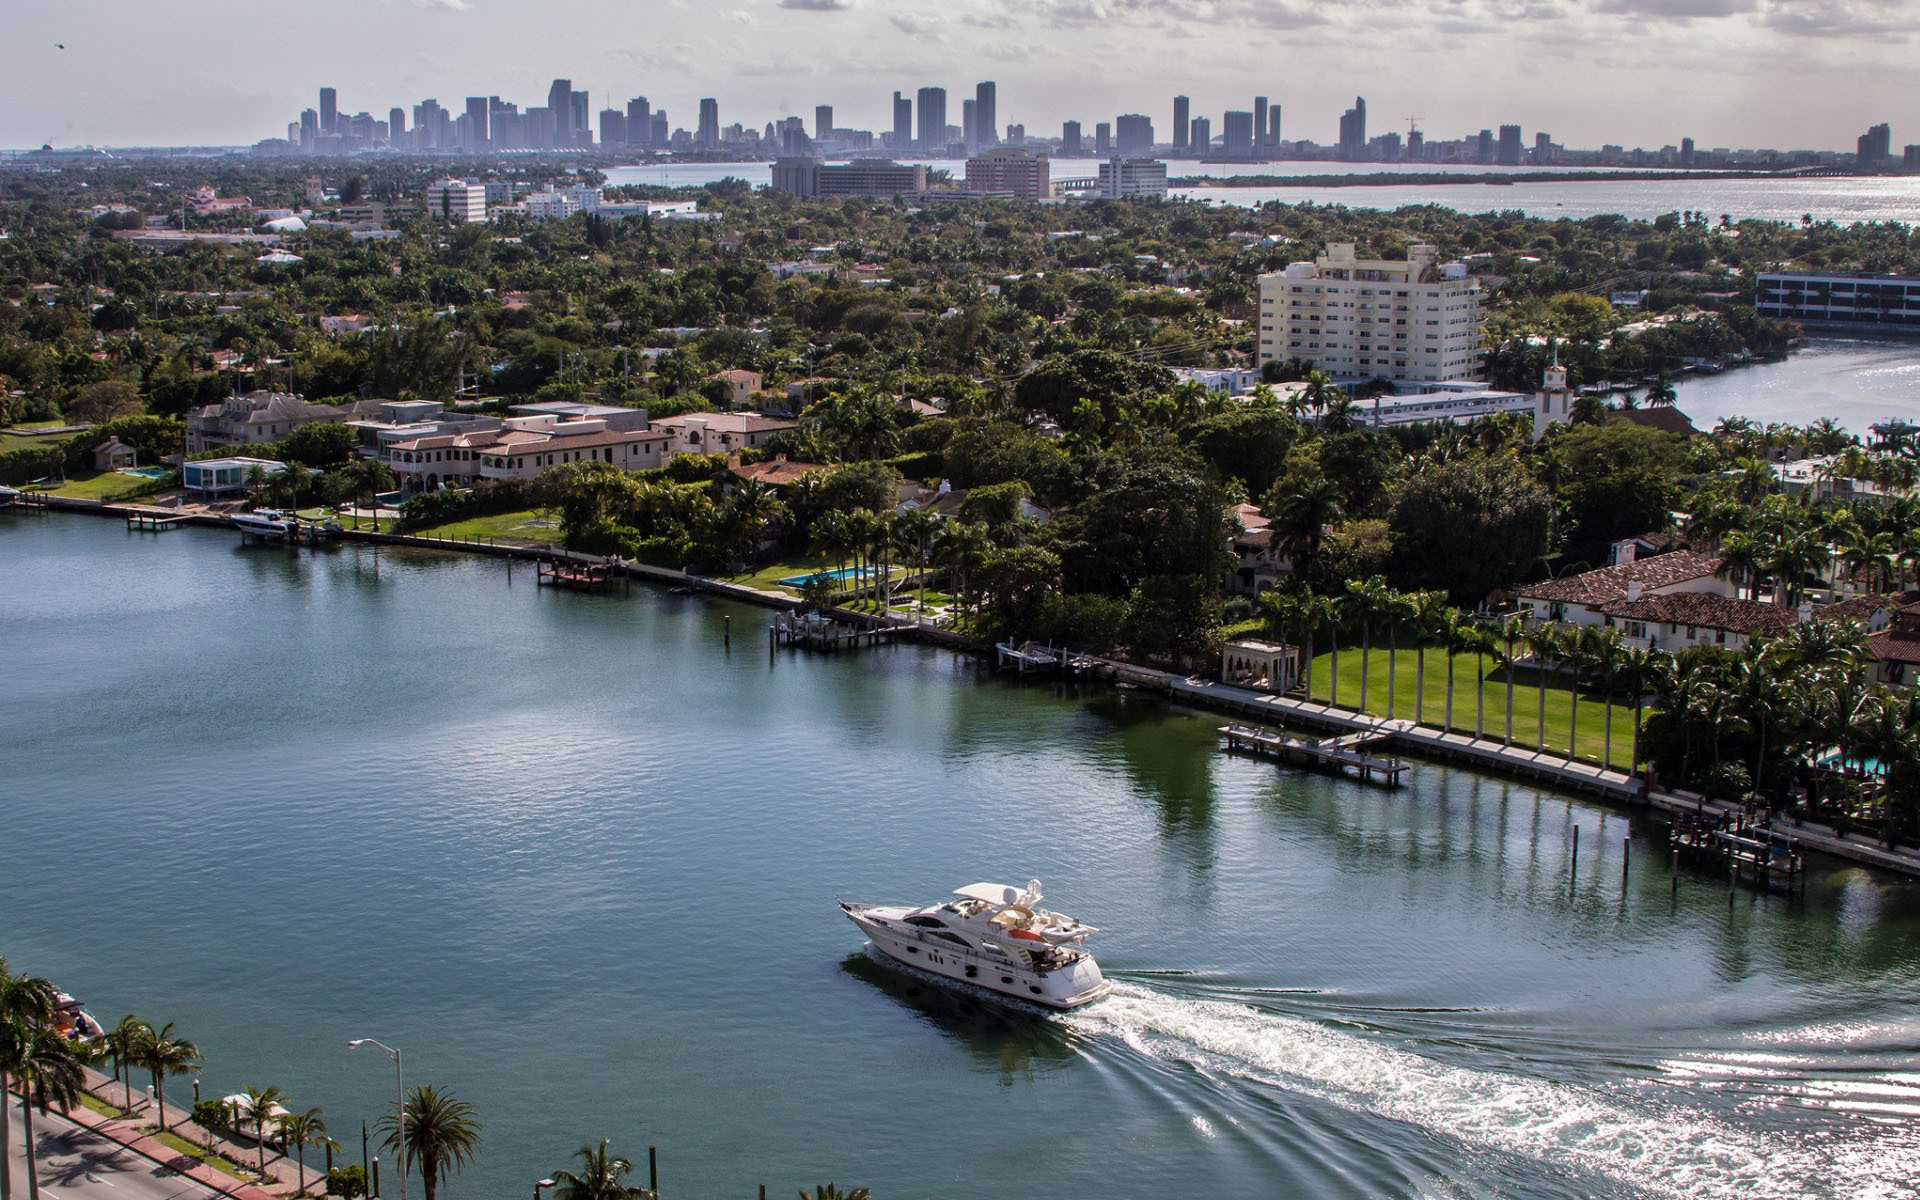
[{"x": 1261, "y": 666}]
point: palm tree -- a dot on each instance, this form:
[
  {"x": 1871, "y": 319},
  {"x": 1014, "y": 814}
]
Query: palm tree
[
  {"x": 1511, "y": 631},
  {"x": 26, "y": 1003},
  {"x": 1544, "y": 642},
  {"x": 260, "y": 1105},
  {"x": 45, "y": 1066},
  {"x": 1397, "y": 609},
  {"x": 1482, "y": 642},
  {"x": 1661, "y": 394},
  {"x": 959, "y": 546},
  {"x": 1639, "y": 667},
  {"x": 440, "y": 1133},
  {"x": 1454, "y": 635},
  {"x": 828, "y": 1191},
  {"x": 1606, "y": 652},
  {"x": 120, "y": 1042},
  {"x": 1428, "y": 608},
  {"x": 599, "y": 1178},
  {"x": 298, "y": 1131},
  {"x": 160, "y": 1053},
  {"x": 1367, "y": 599}
]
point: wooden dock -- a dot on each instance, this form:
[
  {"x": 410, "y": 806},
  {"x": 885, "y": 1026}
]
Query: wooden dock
[
  {"x": 1756, "y": 852},
  {"x": 816, "y": 631},
  {"x": 1348, "y": 752},
  {"x": 155, "y": 520},
  {"x": 583, "y": 577},
  {"x": 1028, "y": 657}
]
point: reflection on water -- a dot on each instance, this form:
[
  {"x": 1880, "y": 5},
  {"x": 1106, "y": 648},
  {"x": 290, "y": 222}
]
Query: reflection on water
[{"x": 1011, "y": 1038}]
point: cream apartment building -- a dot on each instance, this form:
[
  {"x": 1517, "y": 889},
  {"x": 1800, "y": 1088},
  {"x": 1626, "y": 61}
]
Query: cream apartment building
[{"x": 1416, "y": 320}]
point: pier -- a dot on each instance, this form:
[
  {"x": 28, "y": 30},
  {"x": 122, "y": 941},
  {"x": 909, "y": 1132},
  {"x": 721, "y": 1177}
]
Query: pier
[
  {"x": 816, "y": 631},
  {"x": 1346, "y": 752},
  {"x": 584, "y": 577},
  {"x": 1028, "y": 656},
  {"x": 155, "y": 520},
  {"x": 1744, "y": 848}
]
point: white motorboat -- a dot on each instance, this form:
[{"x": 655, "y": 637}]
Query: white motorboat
[
  {"x": 265, "y": 523},
  {"x": 993, "y": 937}
]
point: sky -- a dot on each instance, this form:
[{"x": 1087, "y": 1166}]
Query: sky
[{"x": 1787, "y": 74}]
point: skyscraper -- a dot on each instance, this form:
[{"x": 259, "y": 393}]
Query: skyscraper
[
  {"x": 1509, "y": 145},
  {"x": 478, "y": 129},
  {"x": 613, "y": 127},
  {"x": 1273, "y": 127},
  {"x": 1103, "y": 138},
  {"x": 1200, "y": 137},
  {"x": 1353, "y": 131},
  {"x": 1236, "y": 128},
  {"x": 902, "y": 123},
  {"x": 639, "y": 122},
  {"x": 1134, "y": 135},
  {"x": 969, "y": 135},
  {"x": 933, "y": 120},
  {"x": 309, "y": 129},
  {"x": 1070, "y": 137},
  {"x": 1181, "y": 131},
  {"x": 1483, "y": 147},
  {"x": 582, "y": 120},
  {"x": 659, "y": 130},
  {"x": 329, "y": 110},
  {"x": 396, "y": 127},
  {"x": 560, "y": 103},
  {"x": 708, "y": 135},
  {"x": 1259, "y": 124},
  {"x": 822, "y": 122},
  {"x": 986, "y": 114},
  {"x": 1874, "y": 148}
]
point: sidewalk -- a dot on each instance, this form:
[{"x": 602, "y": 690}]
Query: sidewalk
[{"x": 136, "y": 1134}]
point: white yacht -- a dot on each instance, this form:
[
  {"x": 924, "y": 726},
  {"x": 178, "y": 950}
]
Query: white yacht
[
  {"x": 265, "y": 522},
  {"x": 991, "y": 936}
]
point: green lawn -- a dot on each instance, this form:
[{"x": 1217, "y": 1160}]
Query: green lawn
[
  {"x": 1493, "y": 686},
  {"x": 769, "y": 576},
  {"x": 16, "y": 437},
  {"x": 176, "y": 1142},
  {"x": 101, "y": 1106},
  {"x": 526, "y": 525},
  {"x": 104, "y": 486}
]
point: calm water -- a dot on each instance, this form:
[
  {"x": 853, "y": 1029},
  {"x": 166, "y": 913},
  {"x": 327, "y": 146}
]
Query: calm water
[
  {"x": 1854, "y": 382},
  {"x": 1879, "y": 198},
  {"x": 579, "y": 862}
]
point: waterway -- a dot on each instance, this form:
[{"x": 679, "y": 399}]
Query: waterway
[
  {"x": 578, "y": 861},
  {"x": 1856, "y": 382},
  {"x": 1845, "y": 200}
]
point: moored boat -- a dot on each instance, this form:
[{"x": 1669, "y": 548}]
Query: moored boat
[
  {"x": 265, "y": 523},
  {"x": 991, "y": 936}
]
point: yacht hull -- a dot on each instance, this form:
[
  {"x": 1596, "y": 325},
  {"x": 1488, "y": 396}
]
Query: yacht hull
[{"x": 1070, "y": 985}]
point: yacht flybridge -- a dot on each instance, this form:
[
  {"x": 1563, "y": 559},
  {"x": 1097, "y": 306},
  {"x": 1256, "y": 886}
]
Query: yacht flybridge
[{"x": 991, "y": 936}]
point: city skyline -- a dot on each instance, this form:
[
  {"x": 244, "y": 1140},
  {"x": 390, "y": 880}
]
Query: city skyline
[{"x": 1642, "y": 72}]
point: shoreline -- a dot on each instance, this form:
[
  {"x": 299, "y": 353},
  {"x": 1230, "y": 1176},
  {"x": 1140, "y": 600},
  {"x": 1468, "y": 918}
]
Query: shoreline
[
  {"x": 1429, "y": 743},
  {"x": 1440, "y": 178}
]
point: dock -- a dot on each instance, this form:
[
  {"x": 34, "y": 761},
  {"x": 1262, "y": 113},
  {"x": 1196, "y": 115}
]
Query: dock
[
  {"x": 584, "y": 577},
  {"x": 1754, "y": 851},
  {"x": 1346, "y": 752},
  {"x": 155, "y": 520},
  {"x": 1028, "y": 657},
  {"x": 815, "y": 631}
]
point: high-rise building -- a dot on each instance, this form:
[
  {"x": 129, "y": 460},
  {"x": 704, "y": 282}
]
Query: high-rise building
[
  {"x": 1483, "y": 147},
  {"x": 933, "y": 120},
  {"x": 1103, "y": 138},
  {"x": 1273, "y": 127},
  {"x": 1874, "y": 148},
  {"x": 822, "y": 122},
  {"x": 1125, "y": 178},
  {"x": 309, "y": 129},
  {"x": 1236, "y": 130},
  {"x": 809, "y": 175},
  {"x": 986, "y": 114},
  {"x": 1009, "y": 171},
  {"x": 582, "y": 120},
  {"x": 708, "y": 135},
  {"x": 1686, "y": 152},
  {"x": 1259, "y": 124},
  {"x": 457, "y": 200},
  {"x": 1543, "y": 148},
  {"x": 659, "y": 131},
  {"x": 1069, "y": 137},
  {"x": 639, "y": 122},
  {"x": 1415, "y": 320},
  {"x": 1181, "y": 129},
  {"x": 478, "y": 137},
  {"x": 1416, "y": 146},
  {"x": 969, "y": 115},
  {"x": 329, "y": 110},
  {"x": 1200, "y": 136},
  {"x": 542, "y": 129},
  {"x": 1509, "y": 145},
  {"x": 560, "y": 103},
  {"x": 613, "y": 127},
  {"x": 1353, "y": 131},
  {"x": 902, "y": 123},
  {"x": 1133, "y": 134},
  {"x": 396, "y": 126}
]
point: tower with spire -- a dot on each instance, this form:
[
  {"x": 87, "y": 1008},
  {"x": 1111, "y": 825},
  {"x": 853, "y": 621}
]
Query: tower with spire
[{"x": 1554, "y": 401}]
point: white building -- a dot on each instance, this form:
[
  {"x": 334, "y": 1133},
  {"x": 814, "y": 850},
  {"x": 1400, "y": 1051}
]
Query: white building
[
  {"x": 1361, "y": 318},
  {"x": 1124, "y": 178},
  {"x": 720, "y": 432},
  {"x": 457, "y": 200},
  {"x": 211, "y": 476}
]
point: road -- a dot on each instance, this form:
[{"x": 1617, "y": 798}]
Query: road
[{"x": 79, "y": 1164}]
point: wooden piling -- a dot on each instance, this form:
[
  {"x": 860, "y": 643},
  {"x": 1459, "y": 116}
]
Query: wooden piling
[
  {"x": 726, "y": 629},
  {"x": 1574, "y": 869},
  {"x": 653, "y": 1171},
  {"x": 1626, "y": 852}
]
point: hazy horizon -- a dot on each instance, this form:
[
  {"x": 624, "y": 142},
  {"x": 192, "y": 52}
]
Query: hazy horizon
[{"x": 1786, "y": 74}]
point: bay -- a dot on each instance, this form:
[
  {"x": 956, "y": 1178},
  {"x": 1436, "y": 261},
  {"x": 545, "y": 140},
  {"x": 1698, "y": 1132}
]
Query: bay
[{"x": 579, "y": 862}]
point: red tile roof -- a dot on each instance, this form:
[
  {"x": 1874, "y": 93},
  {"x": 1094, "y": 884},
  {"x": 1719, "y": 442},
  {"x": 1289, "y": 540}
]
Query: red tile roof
[
  {"x": 1706, "y": 610},
  {"x": 1667, "y": 420},
  {"x": 1894, "y": 645},
  {"x": 1610, "y": 583}
]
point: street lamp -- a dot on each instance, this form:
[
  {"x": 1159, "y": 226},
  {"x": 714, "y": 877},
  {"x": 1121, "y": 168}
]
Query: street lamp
[
  {"x": 399, "y": 1106},
  {"x": 539, "y": 1185}
]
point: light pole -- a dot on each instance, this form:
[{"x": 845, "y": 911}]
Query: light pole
[
  {"x": 540, "y": 1184},
  {"x": 399, "y": 1106}
]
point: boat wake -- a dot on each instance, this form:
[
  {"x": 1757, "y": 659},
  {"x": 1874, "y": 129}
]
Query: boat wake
[{"x": 1628, "y": 1133}]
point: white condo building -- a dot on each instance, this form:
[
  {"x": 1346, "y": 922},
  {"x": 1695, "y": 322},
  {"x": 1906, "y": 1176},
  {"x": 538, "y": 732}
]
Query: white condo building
[
  {"x": 1367, "y": 318},
  {"x": 457, "y": 200}
]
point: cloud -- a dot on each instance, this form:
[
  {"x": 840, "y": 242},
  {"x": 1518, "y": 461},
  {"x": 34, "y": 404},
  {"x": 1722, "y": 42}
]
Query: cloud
[
  {"x": 914, "y": 26},
  {"x": 817, "y": 5},
  {"x": 1836, "y": 18},
  {"x": 446, "y": 5}
]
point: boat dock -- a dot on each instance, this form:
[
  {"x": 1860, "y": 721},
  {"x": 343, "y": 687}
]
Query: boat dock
[
  {"x": 818, "y": 632},
  {"x": 154, "y": 520},
  {"x": 584, "y": 577},
  {"x": 1758, "y": 852},
  {"x": 1028, "y": 656},
  {"x": 1346, "y": 752}
]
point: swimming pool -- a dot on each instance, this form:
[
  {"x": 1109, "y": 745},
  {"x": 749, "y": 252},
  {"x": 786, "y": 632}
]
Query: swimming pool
[
  {"x": 146, "y": 472},
  {"x": 843, "y": 575}
]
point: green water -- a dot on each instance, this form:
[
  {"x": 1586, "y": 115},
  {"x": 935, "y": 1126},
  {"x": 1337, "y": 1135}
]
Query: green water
[{"x": 579, "y": 860}]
